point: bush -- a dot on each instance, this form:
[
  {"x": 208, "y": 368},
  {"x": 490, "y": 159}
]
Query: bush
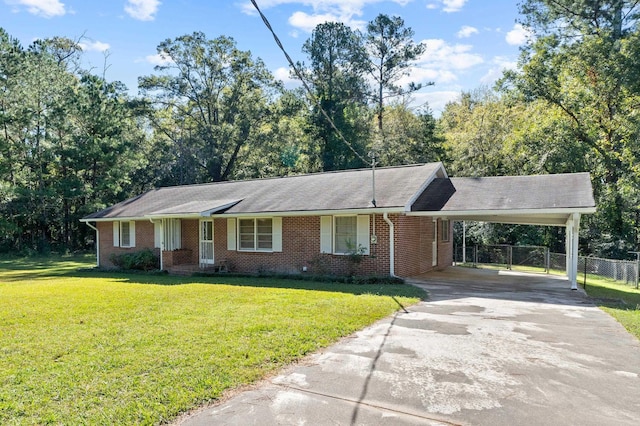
[{"x": 143, "y": 260}]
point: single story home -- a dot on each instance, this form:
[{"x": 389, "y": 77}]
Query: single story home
[{"x": 389, "y": 221}]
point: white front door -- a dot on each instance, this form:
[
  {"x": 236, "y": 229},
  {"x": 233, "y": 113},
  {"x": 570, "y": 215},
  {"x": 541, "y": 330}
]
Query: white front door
[
  {"x": 206, "y": 242},
  {"x": 434, "y": 244}
]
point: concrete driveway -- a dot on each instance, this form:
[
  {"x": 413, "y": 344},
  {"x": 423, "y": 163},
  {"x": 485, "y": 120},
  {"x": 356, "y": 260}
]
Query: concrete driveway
[{"x": 487, "y": 348}]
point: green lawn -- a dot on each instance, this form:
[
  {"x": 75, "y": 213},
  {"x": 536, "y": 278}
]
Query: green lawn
[
  {"x": 621, "y": 301},
  {"x": 100, "y": 348}
]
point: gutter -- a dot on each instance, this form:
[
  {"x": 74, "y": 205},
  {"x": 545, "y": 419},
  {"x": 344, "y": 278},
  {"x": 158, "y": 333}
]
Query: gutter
[
  {"x": 392, "y": 271},
  {"x": 97, "y": 243}
]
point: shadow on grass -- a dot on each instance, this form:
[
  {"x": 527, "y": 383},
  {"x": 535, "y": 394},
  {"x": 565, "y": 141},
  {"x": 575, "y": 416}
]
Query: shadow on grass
[
  {"x": 614, "y": 298},
  {"x": 43, "y": 268}
]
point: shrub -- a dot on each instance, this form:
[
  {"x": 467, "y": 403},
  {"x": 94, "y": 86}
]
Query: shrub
[{"x": 143, "y": 260}]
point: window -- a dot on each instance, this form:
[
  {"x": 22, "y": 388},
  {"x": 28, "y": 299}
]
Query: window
[
  {"x": 169, "y": 232},
  {"x": 124, "y": 234},
  {"x": 445, "y": 230},
  {"x": 255, "y": 234},
  {"x": 172, "y": 234},
  {"x": 346, "y": 234}
]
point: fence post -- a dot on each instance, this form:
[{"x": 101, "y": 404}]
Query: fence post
[
  {"x": 637, "y": 267},
  {"x": 475, "y": 255},
  {"x": 510, "y": 255},
  {"x": 584, "y": 283},
  {"x": 547, "y": 260}
]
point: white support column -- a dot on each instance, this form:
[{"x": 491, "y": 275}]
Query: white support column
[
  {"x": 574, "y": 254},
  {"x": 573, "y": 231},
  {"x": 567, "y": 245}
]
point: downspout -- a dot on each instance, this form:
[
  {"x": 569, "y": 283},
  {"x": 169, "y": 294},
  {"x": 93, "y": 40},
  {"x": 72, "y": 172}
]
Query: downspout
[
  {"x": 161, "y": 242},
  {"x": 385, "y": 216},
  {"x": 97, "y": 243}
]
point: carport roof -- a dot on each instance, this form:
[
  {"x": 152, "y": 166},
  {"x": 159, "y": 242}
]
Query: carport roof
[{"x": 532, "y": 200}]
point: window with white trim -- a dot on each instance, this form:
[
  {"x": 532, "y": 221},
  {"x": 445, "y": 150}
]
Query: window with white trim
[
  {"x": 345, "y": 231},
  {"x": 444, "y": 233},
  {"x": 124, "y": 234},
  {"x": 255, "y": 234},
  {"x": 345, "y": 234}
]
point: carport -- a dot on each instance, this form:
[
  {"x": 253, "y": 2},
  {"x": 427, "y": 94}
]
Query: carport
[{"x": 547, "y": 200}]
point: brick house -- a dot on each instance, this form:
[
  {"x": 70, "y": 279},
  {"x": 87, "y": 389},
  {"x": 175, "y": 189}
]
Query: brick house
[{"x": 398, "y": 221}]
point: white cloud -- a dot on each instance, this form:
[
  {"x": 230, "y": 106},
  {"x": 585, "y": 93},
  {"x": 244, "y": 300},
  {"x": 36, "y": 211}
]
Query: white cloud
[
  {"x": 44, "y": 8},
  {"x": 159, "y": 59},
  {"x": 500, "y": 64},
  {"x": 345, "y": 11},
  {"x": 437, "y": 100},
  {"x": 306, "y": 22},
  {"x": 441, "y": 63},
  {"x": 94, "y": 46},
  {"x": 519, "y": 35},
  {"x": 453, "y": 5},
  {"x": 466, "y": 31},
  {"x": 442, "y": 55},
  {"x": 143, "y": 10},
  {"x": 284, "y": 75}
]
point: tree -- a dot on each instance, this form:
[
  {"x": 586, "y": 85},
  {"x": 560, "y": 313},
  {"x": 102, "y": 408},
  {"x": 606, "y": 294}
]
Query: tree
[
  {"x": 584, "y": 63},
  {"x": 211, "y": 97},
  {"x": 410, "y": 138},
  {"x": 391, "y": 50},
  {"x": 336, "y": 75}
]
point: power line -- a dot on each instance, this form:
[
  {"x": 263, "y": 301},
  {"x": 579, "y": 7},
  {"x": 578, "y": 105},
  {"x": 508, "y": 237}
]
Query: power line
[{"x": 306, "y": 87}]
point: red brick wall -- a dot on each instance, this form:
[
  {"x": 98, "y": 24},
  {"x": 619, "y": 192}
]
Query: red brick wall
[
  {"x": 144, "y": 239},
  {"x": 414, "y": 246},
  {"x": 301, "y": 247}
]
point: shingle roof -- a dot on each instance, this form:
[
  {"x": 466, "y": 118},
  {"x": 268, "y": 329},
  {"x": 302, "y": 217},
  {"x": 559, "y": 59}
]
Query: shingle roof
[
  {"x": 539, "y": 192},
  {"x": 344, "y": 190}
]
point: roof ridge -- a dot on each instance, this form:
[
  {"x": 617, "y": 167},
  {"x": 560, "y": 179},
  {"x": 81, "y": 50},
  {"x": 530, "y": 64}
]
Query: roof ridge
[
  {"x": 329, "y": 172},
  {"x": 518, "y": 176}
]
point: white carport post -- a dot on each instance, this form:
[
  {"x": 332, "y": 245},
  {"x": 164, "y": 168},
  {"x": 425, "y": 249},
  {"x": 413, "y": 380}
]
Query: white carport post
[{"x": 573, "y": 230}]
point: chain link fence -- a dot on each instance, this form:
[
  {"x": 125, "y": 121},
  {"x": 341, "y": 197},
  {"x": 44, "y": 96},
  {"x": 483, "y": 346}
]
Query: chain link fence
[{"x": 540, "y": 259}]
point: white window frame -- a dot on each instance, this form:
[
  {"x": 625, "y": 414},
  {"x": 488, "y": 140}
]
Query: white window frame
[
  {"x": 328, "y": 234},
  {"x": 172, "y": 238},
  {"x": 276, "y": 234},
  {"x": 119, "y": 234},
  {"x": 335, "y": 234}
]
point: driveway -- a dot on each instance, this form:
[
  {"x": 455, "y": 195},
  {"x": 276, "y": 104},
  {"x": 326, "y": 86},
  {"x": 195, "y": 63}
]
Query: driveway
[{"x": 487, "y": 348}]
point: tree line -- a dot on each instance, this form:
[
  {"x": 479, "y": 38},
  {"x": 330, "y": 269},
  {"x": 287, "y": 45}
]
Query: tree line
[{"x": 72, "y": 142}]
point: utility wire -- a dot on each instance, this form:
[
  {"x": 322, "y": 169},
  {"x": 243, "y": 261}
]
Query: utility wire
[{"x": 306, "y": 87}]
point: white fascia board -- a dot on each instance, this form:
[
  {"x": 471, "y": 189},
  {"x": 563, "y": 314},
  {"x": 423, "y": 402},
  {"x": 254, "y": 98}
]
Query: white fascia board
[
  {"x": 425, "y": 184},
  {"x": 111, "y": 219},
  {"x": 514, "y": 212},
  {"x": 173, "y": 216},
  {"x": 210, "y": 212}
]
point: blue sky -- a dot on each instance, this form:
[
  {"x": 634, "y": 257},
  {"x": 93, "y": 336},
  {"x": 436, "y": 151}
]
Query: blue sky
[{"x": 469, "y": 42}]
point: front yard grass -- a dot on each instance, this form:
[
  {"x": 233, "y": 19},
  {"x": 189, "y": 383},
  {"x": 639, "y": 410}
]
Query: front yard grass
[{"x": 101, "y": 348}]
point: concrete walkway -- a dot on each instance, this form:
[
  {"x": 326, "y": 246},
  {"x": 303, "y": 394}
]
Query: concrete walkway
[{"x": 487, "y": 348}]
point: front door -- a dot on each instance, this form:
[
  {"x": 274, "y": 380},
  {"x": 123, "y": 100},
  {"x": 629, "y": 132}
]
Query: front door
[
  {"x": 434, "y": 244},
  {"x": 206, "y": 242}
]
